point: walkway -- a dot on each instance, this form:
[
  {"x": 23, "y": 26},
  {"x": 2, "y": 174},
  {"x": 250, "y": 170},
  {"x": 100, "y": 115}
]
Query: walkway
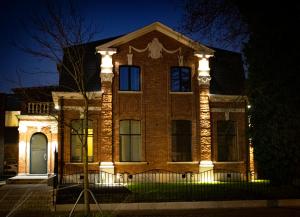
[{"x": 25, "y": 200}]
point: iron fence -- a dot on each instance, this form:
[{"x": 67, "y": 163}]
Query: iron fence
[{"x": 163, "y": 186}]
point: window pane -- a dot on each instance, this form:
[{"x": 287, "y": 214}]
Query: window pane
[
  {"x": 90, "y": 148},
  {"x": 76, "y": 149},
  {"x": 124, "y": 76},
  {"x": 135, "y": 78},
  {"x": 130, "y": 140},
  {"x": 181, "y": 140},
  {"x": 77, "y": 127},
  {"x": 125, "y": 148},
  {"x": 181, "y": 79},
  {"x": 136, "y": 148},
  {"x": 124, "y": 127},
  {"x": 90, "y": 131},
  {"x": 227, "y": 144},
  {"x": 135, "y": 127},
  {"x": 175, "y": 79},
  {"x": 185, "y": 79}
]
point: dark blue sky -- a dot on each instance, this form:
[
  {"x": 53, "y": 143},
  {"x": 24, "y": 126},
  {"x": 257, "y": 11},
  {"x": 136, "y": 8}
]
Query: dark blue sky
[{"x": 113, "y": 17}]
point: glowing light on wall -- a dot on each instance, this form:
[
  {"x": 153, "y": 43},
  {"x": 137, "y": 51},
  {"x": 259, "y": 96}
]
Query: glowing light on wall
[
  {"x": 22, "y": 128},
  {"x": 54, "y": 146},
  {"x": 206, "y": 171},
  {"x": 203, "y": 65},
  {"x": 106, "y": 60},
  {"x": 22, "y": 153}
]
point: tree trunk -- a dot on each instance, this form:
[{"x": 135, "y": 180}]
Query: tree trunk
[{"x": 85, "y": 161}]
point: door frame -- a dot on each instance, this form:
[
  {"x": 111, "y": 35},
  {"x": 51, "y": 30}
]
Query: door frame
[{"x": 31, "y": 154}]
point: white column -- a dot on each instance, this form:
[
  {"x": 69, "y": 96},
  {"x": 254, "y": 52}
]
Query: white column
[
  {"x": 206, "y": 166},
  {"x": 106, "y": 64},
  {"x": 22, "y": 149},
  {"x": 106, "y": 166},
  {"x": 203, "y": 69}
]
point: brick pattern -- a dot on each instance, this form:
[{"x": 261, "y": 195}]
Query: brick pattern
[
  {"x": 155, "y": 106},
  {"x": 205, "y": 131},
  {"x": 106, "y": 123}
]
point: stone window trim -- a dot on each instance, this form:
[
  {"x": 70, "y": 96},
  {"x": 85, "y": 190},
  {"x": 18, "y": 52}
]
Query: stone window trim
[
  {"x": 228, "y": 162},
  {"x": 181, "y": 79},
  {"x": 129, "y": 92},
  {"x": 81, "y": 163},
  {"x": 131, "y": 162},
  {"x": 181, "y": 93},
  {"x": 183, "y": 162}
]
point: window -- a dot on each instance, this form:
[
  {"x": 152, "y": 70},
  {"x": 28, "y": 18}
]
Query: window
[
  {"x": 77, "y": 139},
  {"x": 130, "y": 140},
  {"x": 181, "y": 140},
  {"x": 227, "y": 141},
  {"x": 129, "y": 78},
  {"x": 180, "y": 79}
]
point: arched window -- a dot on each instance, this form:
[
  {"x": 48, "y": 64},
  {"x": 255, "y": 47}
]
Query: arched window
[{"x": 77, "y": 139}]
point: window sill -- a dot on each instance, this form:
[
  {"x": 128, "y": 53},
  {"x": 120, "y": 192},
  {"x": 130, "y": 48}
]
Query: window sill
[
  {"x": 81, "y": 163},
  {"x": 228, "y": 162},
  {"x": 181, "y": 93},
  {"x": 130, "y": 92},
  {"x": 183, "y": 162},
  {"x": 131, "y": 163}
]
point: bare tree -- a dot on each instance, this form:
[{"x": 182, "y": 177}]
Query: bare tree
[
  {"x": 60, "y": 35},
  {"x": 218, "y": 21}
]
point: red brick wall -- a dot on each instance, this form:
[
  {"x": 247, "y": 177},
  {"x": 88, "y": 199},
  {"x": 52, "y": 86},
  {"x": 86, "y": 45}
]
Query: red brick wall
[{"x": 154, "y": 105}]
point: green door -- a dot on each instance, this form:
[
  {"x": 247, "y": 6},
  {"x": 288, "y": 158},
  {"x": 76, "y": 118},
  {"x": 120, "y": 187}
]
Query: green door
[{"x": 38, "y": 154}]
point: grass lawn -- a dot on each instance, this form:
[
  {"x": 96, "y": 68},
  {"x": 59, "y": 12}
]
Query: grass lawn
[{"x": 182, "y": 191}]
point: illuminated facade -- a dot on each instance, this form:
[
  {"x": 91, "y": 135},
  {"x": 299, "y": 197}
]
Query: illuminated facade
[{"x": 158, "y": 100}]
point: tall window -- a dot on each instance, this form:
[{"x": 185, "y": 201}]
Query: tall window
[
  {"x": 77, "y": 139},
  {"x": 181, "y": 140},
  {"x": 130, "y": 140},
  {"x": 129, "y": 78},
  {"x": 180, "y": 79},
  {"x": 227, "y": 141}
]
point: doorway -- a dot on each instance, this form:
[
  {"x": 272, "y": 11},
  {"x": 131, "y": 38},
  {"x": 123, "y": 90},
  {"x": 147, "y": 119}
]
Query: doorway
[{"x": 38, "y": 154}]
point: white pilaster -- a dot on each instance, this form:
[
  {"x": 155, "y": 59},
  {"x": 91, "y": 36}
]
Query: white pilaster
[
  {"x": 107, "y": 171},
  {"x": 203, "y": 69},
  {"x": 206, "y": 171},
  {"x": 106, "y": 64}
]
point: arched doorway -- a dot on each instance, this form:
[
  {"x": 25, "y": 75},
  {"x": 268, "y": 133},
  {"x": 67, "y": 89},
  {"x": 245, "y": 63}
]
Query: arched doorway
[{"x": 38, "y": 154}]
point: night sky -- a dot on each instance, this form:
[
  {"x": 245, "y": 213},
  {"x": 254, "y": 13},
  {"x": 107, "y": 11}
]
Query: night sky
[{"x": 113, "y": 17}]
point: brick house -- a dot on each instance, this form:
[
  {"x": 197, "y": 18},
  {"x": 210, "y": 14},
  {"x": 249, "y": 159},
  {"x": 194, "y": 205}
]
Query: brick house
[{"x": 158, "y": 100}]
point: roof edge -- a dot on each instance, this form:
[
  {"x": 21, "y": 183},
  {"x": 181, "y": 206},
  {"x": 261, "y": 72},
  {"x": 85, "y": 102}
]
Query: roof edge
[{"x": 163, "y": 29}]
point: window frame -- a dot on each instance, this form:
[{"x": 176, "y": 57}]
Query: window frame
[
  {"x": 129, "y": 77},
  {"x": 235, "y": 145},
  {"x": 180, "y": 79},
  {"x": 178, "y": 135},
  {"x": 130, "y": 137},
  {"x": 90, "y": 123}
]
